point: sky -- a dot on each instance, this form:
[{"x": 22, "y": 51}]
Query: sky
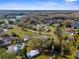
[{"x": 39, "y": 4}]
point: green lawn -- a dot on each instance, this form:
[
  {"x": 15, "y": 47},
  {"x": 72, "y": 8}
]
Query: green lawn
[{"x": 20, "y": 32}]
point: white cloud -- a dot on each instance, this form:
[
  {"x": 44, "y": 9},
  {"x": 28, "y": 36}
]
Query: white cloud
[{"x": 70, "y": 0}]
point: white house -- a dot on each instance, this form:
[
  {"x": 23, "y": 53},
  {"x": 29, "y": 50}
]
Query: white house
[
  {"x": 12, "y": 48},
  {"x": 26, "y": 38},
  {"x": 33, "y": 53}
]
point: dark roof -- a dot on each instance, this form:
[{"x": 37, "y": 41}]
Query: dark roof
[{"x": 7, "y": 39}]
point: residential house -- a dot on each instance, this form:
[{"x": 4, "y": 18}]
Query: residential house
[
  {"x": 75, "y": 24},
  {"x": 12, "y": 48},
  {"x": 6, "y": 21},
  {"x": 18, "y": 17},
  {"x": 16, "y": 47},
  {"x": 4, "y": 25},
  {"x": 69, "y": 31},
  {"x": 12, "y": 21},
  {"x": 33, "y": 53},
  {"x": 6, "y": 40}
]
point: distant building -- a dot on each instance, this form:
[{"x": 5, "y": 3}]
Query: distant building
[
  {"x": 12, "y": 21},
  {"x": 6, "y": 21},
  {"x": 70, "y": 31},
  {"x": 75, "y": 24},
  {"x": 18, "y": 17}
]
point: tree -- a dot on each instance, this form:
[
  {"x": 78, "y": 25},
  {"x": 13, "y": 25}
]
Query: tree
[
  {"x": 66, "y": 51},
  {"x": 1, "y": 22},
  {"x": 24, "y": 52},
  {"x": 6, "y": 55}
]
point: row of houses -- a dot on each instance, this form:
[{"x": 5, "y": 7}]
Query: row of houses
[
  {"x": 6, "y": 42},
  {"x": 7, "y": 23}
]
